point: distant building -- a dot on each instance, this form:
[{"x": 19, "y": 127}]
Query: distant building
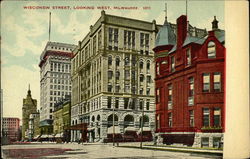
[
  {"x": 113, "y": 69},
  {"x": 34, "y": 130},
  {"x": 189, "y": 84},
  {"x": 55, "y": 80},
  {"x": 61, "y": 117},
  {"x": 29, "y": 107},
  {"x": 11, "y": 129}
]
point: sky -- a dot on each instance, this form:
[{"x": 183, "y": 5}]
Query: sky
[{"x": 24, "y": 34}]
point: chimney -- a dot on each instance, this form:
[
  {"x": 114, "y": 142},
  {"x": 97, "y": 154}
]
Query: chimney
[
  {"x": 215, "y": 24},
  {"x": 181, "y": 30}
]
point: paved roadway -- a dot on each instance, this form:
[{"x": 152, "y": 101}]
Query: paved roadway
[{"x": 91, "y": 151}]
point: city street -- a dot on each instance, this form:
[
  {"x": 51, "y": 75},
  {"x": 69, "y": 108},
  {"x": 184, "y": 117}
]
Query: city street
[{"x": 95, "y": 151}]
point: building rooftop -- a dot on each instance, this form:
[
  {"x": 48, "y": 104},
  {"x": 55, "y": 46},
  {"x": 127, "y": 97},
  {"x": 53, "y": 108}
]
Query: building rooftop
[{"x": 166, "y": 35}]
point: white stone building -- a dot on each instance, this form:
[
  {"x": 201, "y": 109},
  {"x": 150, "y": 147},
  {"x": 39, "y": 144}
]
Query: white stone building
[
  {"x": 55, "y": 76},
  {"x": 113, "y": 71}
]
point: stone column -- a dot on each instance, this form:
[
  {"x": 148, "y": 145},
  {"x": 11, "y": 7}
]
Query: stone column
[{"x": 237, "y": 134}]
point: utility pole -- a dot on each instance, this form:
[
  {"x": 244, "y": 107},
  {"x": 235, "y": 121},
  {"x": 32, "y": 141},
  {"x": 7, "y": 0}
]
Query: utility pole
[{"x": 142, "y": 123}]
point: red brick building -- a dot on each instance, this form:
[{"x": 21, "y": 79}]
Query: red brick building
[
  {"x": 11, "y": 129},
  {"x": 190, "y": 84}
]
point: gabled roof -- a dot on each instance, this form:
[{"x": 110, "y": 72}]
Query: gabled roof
[{"x": 191, "y": 39}]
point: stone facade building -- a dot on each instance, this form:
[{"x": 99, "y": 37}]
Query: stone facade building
[
  {"x": 34, "y": 130},
  {"x": 29, "y": 107},
  {"x": 190, "y": 84},
  {"x": 113, "y": 72}
]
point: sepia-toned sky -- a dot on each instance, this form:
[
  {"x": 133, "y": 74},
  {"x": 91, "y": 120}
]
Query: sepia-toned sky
[{"x": 24, "y": 34}]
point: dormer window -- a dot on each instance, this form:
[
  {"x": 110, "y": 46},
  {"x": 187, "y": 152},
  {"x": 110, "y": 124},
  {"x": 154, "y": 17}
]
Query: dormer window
[{"x": 211, "y": 50}]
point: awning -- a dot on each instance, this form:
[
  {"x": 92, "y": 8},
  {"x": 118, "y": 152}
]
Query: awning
[
  {"x": 144, "y": 129},
  {"x": 117, "y": 130},
  {"x": 37, "y": 137},
  {"x": 44, "y": 136},
  {"x": 59, "y": 135},
  {"x": 130, "y": 128}
]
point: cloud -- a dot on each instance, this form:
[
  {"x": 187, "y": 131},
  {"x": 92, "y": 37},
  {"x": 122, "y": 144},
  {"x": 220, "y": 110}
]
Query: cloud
[{"x": 15, "y": 82}]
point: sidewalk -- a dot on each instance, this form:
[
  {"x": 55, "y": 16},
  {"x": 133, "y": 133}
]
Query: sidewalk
[{"x": 172, "y": 148}]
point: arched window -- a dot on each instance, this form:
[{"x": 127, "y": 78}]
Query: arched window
[
  {"x": 141, "y": 64},
  {"x": 211, "y": 50}
]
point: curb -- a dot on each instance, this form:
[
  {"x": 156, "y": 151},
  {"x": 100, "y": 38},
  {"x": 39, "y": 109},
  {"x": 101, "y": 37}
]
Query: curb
[{"x": 176, "y": 150}]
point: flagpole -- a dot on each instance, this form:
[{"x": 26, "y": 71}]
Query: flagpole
[{"x": 49, "y": 24}]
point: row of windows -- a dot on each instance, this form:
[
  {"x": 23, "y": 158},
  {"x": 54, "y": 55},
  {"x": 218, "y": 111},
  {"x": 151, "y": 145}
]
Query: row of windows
[
  {"x": 127, "y": 89},
  {"x": 61, "y": 48},
  {"x": 205, "y": 116},
  {"x": 206, "y": 87},
  {"x": 60, "y": 75},
  {"x": 127, "y": 76},
  {"x": 58, "y": 81},
  {"x": 129, "y": 103},
  {"x": 60, "y": 67},
  {"x": 60, "y": 87},
  {"x": 59, "y": 98},
  {"x": 127, "y": 62},
  {"x": 128, "y": 40},
  {"x": 211, "y": 53}
]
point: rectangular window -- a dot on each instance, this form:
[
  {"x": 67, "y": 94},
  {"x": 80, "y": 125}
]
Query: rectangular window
[
  {"x": 217, "y": 117},
  {"x": 217, "y": 81},
  {"x": 126, "y": 100},
  {"x": 141, "y": 104},
  {"x": 191, "y": 118},
  {"x": 204, "y": 142},
  {"x": 172, "y": 64},
  {"x": 157, "y": 95},
  {"x": 129, "y": 39},
  {"x": 158, "y": 122},
  {"x": 127, "y": 74},
  {"x": 188, "y": 55},
  {"x": 148, "y": 91},
  {"x": 206, "y": 82},
  {"x": 110, "y": 74},
  {"x": 170, "y": 97},
  {"x": 191, "y": 91},
  {"x": 117, "y": 88},
  {"x": 109, "y": 87},
  {"x": 109, "y": 102},
  {"x": 127, "y": 88},
  {"x": 116, "y": 102},
  {"x": 206, "y": 117},
  {"x": 117, "y": 75},
  {"x": 147, "y": 105},
  {"x": 170, "y": 120},
  {"x": 216, "y": 142},
  {"x": 127, "y": 60}
]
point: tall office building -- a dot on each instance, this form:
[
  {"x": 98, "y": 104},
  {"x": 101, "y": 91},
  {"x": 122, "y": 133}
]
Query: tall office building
[
  {"x": 55, "y": 77},
  {"x": 113, "y": 71}
]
